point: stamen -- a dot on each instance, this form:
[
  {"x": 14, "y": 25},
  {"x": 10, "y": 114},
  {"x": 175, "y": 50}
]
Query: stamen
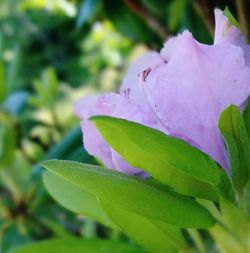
[
  {"x": 126, "y": 92},
  {"x": 145, "y": 74},
  {"x": 142, "y": 77}
]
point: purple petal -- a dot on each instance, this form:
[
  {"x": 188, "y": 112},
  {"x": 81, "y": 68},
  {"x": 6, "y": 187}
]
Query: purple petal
[
  {"x": 226, "y": 32},
  {"x": 195, "y": 86},
  {"x": 111, "y": 105},
  {"x": 180, "y": 91}
]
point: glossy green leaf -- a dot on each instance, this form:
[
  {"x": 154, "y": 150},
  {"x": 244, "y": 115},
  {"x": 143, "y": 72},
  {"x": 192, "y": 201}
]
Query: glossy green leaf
[
  {"x": 75, "y": 199},
  {"x": 168, "y": 159},
  {"x": 155, "y": 236},
  {"x": 233, "y": 130},
  {"x": 71, "y": 245},
  {"x": 133, "y": 194}
]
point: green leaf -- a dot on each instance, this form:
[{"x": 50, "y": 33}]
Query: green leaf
[
  {"x": 57, "y": 229},
  {"x": 168, "y": 159},
  {"x": 226, "y": 241},
  {"x": 246, "y": 117},
  {"x": 7, "y": 145},
  {"x": 69, "y": 148},
  {"x": 233, "y": 130},
  {"x": 71, "y": 245},
  {"x": 127, "y": 22},
  {"x": 46, "y": 89},
  {"x": 133, "y": 194},
  {"x": 176, "y": 14},
  {"x": 15, "y": 103},
  {"x": 3, "y": 89},
  {"x": 87, "y": 11},
  {"x": 231, "y": 18},
  {"x": 235, "y": 219},
  {"x": 13, "y": 70},
  {"x": 246, "y": 199},
  {"x": 75, "y": 199},
  {"x": 1, "y": 45},
  {"x": 193, "y": 21},
  {"x": 70, "y": 143},
  {"x": 156, "y": 8},
  {"x": 50, "y": 81},
  {"x": 155, "y": 236}
]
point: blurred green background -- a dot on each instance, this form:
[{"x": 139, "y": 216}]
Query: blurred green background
[{"x": 51, "y": 53}]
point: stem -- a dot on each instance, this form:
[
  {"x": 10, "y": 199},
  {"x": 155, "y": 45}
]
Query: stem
[
  {"x": 210, "y": 206},
  {"x": 241, "y": 7},
  {"x": 21, "y": 225},
  {"x": 148, "y": 18},
  {"x": 195, "y": 235},
  {"x": 241, "y": 201}
]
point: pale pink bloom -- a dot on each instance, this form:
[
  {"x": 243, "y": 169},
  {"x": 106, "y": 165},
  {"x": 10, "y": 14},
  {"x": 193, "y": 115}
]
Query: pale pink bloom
[{"x": 181, "y": 91}]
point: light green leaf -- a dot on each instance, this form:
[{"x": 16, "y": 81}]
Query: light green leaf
[
  {"x": 231, "y": 18},
  {"x": 133, "y": 194},
  {"x": 71, "y": 245},
  {"x": 168, "y": 159},
  {"x": 155, "y": 236},
  {"x": 235, "y": 220},
  {"x": 50, "y": 81},
  {"x": 75, "y": 199},
  {"x": 232, "y": 127},
  {"x": 46, "y": 89},
  {"x": 226, "y": 241}
]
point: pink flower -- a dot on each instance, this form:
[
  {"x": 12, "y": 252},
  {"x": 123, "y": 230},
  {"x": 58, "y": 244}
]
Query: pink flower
[{"x": 181, "y": 91}]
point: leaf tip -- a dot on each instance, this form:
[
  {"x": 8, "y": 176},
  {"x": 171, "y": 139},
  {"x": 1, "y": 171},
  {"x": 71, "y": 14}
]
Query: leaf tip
[{"x": 47, "y": 164}]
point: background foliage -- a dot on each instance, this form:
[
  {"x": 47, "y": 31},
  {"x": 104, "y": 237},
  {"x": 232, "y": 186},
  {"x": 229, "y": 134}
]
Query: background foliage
[{"x": 51, "y": 53}]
